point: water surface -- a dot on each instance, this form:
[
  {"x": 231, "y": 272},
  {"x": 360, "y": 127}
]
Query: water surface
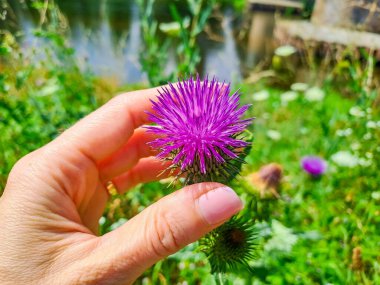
[{"x": 107, "y": 36}]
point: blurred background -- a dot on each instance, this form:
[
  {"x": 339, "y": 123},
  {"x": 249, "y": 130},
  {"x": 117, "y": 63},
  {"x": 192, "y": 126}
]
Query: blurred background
[{"x": 309, "y": 67}]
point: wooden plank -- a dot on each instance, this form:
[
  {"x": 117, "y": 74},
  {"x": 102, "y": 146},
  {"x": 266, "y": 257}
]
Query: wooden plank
[
  {"x": 328, "y": 34},
  {"x": 277, "y": 3}
]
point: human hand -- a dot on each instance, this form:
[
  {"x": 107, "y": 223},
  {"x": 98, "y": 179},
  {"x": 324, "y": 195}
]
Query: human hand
[{"x": 54, "y": 197}]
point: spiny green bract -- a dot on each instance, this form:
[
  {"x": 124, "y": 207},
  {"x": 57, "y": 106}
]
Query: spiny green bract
[{"x": 230, "y": 245}]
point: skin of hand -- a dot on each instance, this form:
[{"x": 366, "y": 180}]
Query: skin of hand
[{"x": 54, "y": 197}]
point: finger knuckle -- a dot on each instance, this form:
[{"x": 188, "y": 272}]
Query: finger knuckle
[
  {"x": 21, "y": 165},
  {"x": 168, "y": 233}
]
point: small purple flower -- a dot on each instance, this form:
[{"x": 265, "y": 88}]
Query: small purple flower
[
  {"x": 198, "y": 124},
  {"x": 314, "y": 165}
]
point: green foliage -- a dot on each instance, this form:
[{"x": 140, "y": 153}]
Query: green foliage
[
  {"x": 237, "y": 5},
  {"x": 325, "y": 219},
  {"x": 154, "y": 54},
  {"x": 39, "y": 99},
  {"x": 308, "y": 7},
  {"x": 188, "y": 50}
]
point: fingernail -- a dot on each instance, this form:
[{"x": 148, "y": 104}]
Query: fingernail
[{"x": 219, "y": 204}]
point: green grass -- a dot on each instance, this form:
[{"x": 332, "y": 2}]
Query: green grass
[
  {"x": 332, "y": 215},
  {"x": 326, "y": 218}
]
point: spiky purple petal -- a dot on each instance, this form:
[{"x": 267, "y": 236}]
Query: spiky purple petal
[{"x": 197, "y": 123}]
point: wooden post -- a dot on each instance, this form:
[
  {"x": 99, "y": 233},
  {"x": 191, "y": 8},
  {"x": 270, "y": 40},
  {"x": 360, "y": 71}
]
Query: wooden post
[
  {"x": 260, "y": 41},
  {"x": 260, "y": 35}
]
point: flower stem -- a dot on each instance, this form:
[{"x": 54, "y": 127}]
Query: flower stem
[{"x": 219, "y": 279}]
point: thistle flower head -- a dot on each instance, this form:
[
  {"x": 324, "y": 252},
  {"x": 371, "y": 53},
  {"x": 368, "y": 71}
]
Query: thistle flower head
[
  {"x": 267, "y": 180},
  {"x": 230, "y": 245},
  {"x": 198, "y": 128},
  {"x": 314, "y": 165}
]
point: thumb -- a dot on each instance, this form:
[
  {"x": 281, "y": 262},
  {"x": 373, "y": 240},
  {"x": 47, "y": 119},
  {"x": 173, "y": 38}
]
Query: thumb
[{"x": 165, "y": 227}]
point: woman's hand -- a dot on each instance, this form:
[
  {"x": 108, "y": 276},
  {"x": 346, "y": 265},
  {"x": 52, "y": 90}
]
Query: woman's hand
[{"x": 54, "y": 197}]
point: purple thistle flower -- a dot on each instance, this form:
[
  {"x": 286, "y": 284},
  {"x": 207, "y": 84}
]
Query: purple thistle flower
[
  {"x": 198, "y": 124},
  {"x": 314, "y": 165}
]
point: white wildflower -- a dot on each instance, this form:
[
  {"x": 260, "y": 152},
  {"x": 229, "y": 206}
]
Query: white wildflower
[
  {"x": 274, "y": 135},
  {"x": 345, "y": 159},
  {"x": 376, "y": 195},
  {"x": 344, "y": 133},
  {"x": 314, "y": 94},
  {"x": 285, "y": 51},
  {"x": 367, "y": 136},
  {"x": 365, "y": 162},
  {"x": 369, "y": 155},
  {"x": 182, "y": 265},
  {"x": 356, "y": 111},
  {"x": 356, "y": 146},
  {"x": 289, "y": 96},
  {"x": 261, "y": 95},
  {"x": 282, "y": 238},
  {"x": 371, "y": 125},
  {"x": 299, "y": 87}
]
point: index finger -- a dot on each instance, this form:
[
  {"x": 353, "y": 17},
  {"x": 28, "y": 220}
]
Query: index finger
[{"x": 105, "y": 130}]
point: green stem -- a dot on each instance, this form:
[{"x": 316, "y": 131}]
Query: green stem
[{"x": 219, "y": 279}]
